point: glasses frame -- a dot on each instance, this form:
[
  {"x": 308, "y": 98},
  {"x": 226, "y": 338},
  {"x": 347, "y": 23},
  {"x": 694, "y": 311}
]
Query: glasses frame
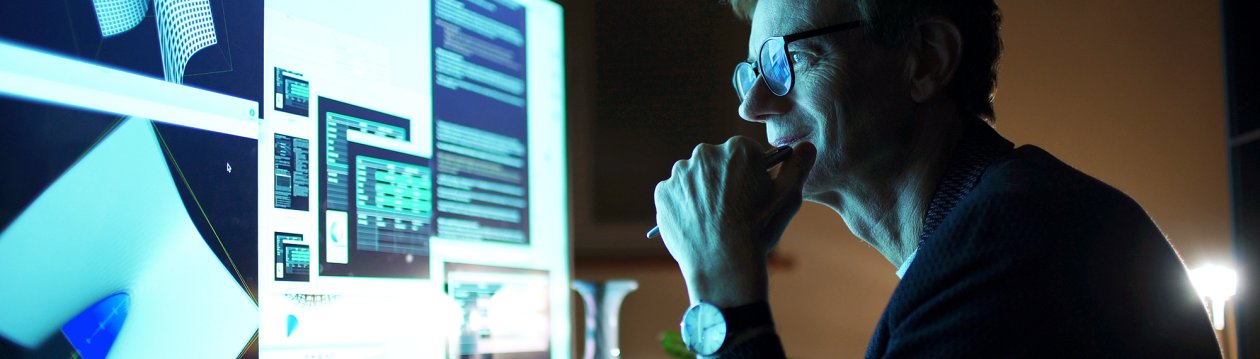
[{"x": 755, "y": 68}]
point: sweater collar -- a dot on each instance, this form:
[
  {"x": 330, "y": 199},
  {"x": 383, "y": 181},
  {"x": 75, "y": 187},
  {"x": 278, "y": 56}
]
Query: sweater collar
[{"x": 978, "y": 148}]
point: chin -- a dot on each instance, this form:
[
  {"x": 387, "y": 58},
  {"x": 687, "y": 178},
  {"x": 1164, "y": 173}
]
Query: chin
[
  {"x": 824, "y": 179},
  {"x": 813, "y": 190}
]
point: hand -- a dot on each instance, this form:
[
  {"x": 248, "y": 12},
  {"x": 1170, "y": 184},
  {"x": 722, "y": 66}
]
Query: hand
[{"x": 720, "y": 213}]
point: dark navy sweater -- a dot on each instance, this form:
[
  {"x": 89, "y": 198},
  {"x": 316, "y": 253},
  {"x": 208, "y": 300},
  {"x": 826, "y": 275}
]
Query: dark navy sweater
[{"x": 1037, "y": 260}]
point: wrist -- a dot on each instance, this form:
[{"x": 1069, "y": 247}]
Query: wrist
[{"x": 729, "y": 287}]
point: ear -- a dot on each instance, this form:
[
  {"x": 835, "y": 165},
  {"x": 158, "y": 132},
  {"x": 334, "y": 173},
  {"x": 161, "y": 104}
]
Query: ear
[{"x": 934, "y": 56}]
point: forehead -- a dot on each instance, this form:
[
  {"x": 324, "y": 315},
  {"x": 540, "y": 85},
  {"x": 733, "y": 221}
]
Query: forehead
[{"x": 782, "y": 17}]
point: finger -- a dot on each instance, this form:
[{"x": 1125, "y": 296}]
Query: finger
[
  {"x": 679, "y": 170},
  {"x": 746, "y": 150},
  {"x": 664, "y": 204},
  {"x": 794, "y": 170},
  {"x": 658, "y": 196},
  {"x": 787, "y": 188}
]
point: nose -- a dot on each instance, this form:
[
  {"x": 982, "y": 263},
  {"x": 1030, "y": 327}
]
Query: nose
[{"x": 759, "y": 103}]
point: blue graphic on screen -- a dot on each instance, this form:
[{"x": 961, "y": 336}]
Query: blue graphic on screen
[
  {"x": 292, "y": 172},
  {"x": 92, "y": 332},
  {"x": 479, "y": 118},
  {"x": 291, "y": 324}
]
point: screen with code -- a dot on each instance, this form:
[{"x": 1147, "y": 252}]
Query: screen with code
[{"x": 479, "y": 112}]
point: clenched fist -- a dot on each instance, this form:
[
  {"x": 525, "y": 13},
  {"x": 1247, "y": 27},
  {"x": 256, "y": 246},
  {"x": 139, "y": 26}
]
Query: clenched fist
[{"x": 720, "y": 213}]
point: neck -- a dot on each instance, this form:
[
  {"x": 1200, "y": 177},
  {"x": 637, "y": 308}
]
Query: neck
[{"x": 886, "y": 207}]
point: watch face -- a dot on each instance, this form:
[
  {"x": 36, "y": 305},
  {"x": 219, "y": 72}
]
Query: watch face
[{"x": 704, "y": 329}]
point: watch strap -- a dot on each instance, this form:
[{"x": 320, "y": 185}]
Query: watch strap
[
  {"x": 764, "y": 345},
  {"x": 747, "y": 317},
  {"x": 748, "y": 323}
]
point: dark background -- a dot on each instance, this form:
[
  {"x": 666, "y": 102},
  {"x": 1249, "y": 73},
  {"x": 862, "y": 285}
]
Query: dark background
[
  {"x": 1242, "y": 84},
  {"x": 647, "y": 81}
]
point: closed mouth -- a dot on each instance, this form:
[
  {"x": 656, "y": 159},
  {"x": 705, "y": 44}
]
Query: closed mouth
[{"x": 788, "y": 140}]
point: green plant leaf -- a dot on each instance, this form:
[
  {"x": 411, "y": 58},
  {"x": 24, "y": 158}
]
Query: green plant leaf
[{"x": 672, "y": 343}]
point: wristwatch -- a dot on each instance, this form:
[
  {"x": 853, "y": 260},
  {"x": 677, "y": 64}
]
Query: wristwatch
[{"x": 707, "y": 329}]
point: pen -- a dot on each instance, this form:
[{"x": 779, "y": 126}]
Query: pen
[{"x": 773, "y": 158}]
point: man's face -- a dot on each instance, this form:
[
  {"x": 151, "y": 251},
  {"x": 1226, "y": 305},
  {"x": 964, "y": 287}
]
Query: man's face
[{"x": 850, "y": 97}]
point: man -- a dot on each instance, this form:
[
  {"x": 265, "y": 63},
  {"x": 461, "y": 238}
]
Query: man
[{"x": 1003, "y": 251}]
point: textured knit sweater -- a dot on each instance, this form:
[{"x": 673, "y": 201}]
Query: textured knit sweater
[{"x": 1035, "y": 259}]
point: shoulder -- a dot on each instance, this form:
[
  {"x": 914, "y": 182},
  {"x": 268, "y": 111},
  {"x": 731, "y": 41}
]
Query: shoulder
[
  {"x": 1029, "y": 172},
  {"x": 1035, "y": 212},
  {"x": 1037, "y": 233},
  {"x": 1030, "y": 193}
]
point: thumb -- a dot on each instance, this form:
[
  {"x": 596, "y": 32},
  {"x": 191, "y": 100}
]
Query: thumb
[{"x": 788, "y": 185}]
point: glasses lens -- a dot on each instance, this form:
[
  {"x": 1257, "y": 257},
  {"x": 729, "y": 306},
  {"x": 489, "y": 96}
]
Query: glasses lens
[
  {"x": 744, "y": 78},
  {"x": 775, "y": 67}
]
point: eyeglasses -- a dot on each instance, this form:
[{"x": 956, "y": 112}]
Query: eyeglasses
[{"x": 774, "y": 63}]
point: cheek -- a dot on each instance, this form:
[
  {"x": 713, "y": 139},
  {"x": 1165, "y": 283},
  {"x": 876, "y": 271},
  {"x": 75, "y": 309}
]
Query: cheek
[
  {"x": 822, "y": 102},
  {"x": 821, "y": 99},
  {"x": 828, "y": 164}
]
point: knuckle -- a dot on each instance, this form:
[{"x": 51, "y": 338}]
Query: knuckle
[
  {"x": 742, "y": 144},
  {"x": 742, "y": 141},
  {"x": 737, "y": 139},
  {"x": 679, "y": 167},
  {"x": 700, "y": 149}
]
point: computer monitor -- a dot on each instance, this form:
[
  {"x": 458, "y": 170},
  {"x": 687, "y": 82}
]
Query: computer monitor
[{"x": 283, "y": 179}]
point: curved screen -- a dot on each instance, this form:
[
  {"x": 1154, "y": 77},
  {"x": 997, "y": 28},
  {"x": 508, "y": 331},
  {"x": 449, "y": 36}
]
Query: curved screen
[{"x": 283, "y": 179}]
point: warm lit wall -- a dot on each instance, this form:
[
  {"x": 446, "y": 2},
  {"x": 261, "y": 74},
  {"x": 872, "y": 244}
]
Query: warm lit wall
[
  {"x": 1132, "y": 93},
  {"x": 1129, "y": 91}
]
